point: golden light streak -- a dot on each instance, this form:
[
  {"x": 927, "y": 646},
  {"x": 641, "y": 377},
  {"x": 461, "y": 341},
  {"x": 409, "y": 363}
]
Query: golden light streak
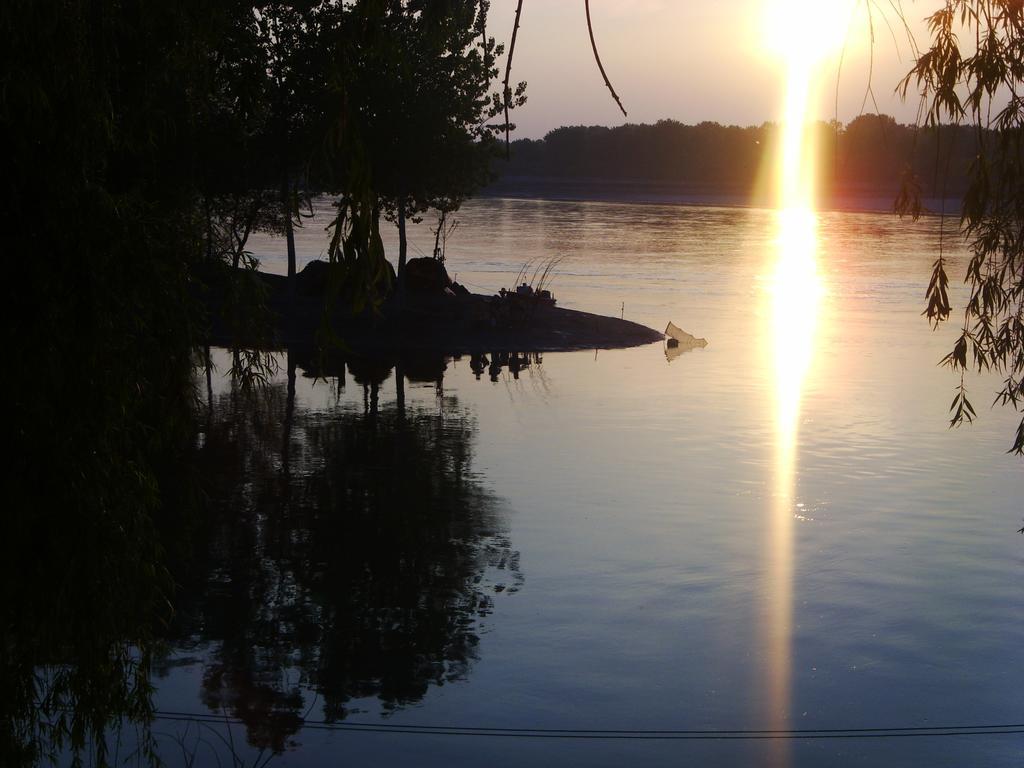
[{"x": 802, "y": 33}]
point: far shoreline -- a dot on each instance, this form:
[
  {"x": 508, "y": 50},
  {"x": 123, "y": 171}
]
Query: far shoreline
[{"x": 645, "y": 192}]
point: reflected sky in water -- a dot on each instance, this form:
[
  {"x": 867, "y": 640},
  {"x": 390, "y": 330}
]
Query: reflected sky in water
[{"x": 642, "y": 498}]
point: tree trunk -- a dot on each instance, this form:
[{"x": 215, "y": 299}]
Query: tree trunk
[
  {"x": 403, "y": 246},
  {"x": 374, "y": 399},
  {"x": 289, "y": 232},
  {"x": 209, "y": 380},
  {"x": 400, "y": 390},
  {"x": 209, "y": 228},
  {"x": 289, "y": 413}
]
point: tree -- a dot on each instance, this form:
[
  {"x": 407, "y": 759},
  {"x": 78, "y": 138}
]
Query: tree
[
  {"x": 414, "y": 80},
  {"x": 292, "y": 39},
  {"x": 980, "y": 83},
  {"x": 96, "y": 117}
]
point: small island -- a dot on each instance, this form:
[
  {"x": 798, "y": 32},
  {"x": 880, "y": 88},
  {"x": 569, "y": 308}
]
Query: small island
[{"x": 436, "y": 315}]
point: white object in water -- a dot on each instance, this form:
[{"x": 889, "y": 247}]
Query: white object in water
[{"x": 682, "y": 338}]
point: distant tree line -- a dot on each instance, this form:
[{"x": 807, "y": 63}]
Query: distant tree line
[{"x": 873, "y": 154}]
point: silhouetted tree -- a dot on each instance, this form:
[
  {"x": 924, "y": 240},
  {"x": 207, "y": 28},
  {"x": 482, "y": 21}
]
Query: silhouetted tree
[
  {"x": 416, "y": 104},
  {"x": 99, "y": 179}
]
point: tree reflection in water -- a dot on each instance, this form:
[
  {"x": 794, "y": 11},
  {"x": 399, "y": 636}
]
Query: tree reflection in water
[{"x": 350, "y": 550}]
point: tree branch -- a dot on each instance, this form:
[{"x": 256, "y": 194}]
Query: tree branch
[{"x": 590, "y": 29}]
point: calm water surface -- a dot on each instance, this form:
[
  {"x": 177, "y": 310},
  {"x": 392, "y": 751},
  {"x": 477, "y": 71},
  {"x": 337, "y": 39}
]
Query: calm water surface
[{"x": 611, "y": 540}]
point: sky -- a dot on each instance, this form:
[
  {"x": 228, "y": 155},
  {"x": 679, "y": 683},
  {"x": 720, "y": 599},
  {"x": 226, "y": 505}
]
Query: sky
[{"x": 695, "y": 60}]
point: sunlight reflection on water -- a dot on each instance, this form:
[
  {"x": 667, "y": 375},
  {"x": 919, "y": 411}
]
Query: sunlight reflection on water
[
  {"x": 805, "y": 35},
  {"x": 795, "y": 294}
]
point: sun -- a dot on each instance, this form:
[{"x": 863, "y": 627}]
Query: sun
[{"x": 805, "y": 30}]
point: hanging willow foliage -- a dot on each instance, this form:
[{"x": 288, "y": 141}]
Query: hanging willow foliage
[{"x": 980, "y": 83}]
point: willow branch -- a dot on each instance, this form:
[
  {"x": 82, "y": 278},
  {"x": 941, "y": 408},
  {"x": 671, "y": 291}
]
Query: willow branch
[
  {"x": 590, "y": 29},
  {"x": 508, "y": 73}
]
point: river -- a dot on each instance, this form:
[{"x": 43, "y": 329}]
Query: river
[{"x": 775, "y": 532}]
